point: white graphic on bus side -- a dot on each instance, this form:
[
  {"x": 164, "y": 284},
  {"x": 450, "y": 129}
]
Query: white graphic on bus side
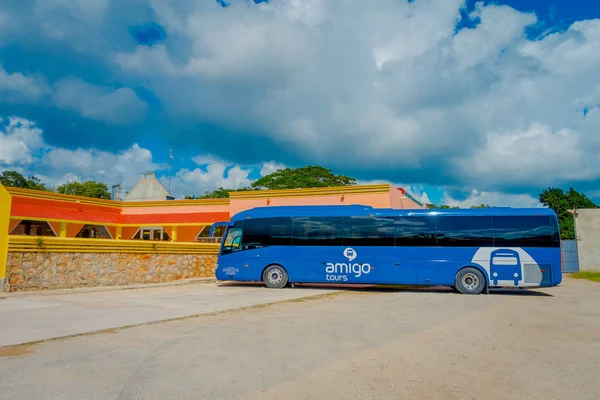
[
  {"x": 505, "y": 265},
  {"x": 338, "y": 272}
]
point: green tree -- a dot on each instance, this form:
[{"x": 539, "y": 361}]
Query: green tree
[
  {"x": 93, "y": 189},
  {"x": 305, "y": 177},
  {"x": 481, "y": 206},
  {"x": 220, "y": 193},
  {"x": 561, "y": 203},
  {"x": 443, "y": 206},
  {"x": 18, "y": 180}
]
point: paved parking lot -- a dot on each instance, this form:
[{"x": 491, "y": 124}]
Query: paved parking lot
[
  {"x": 355, "y": 344},
  {"x": 48, "y": 315}
]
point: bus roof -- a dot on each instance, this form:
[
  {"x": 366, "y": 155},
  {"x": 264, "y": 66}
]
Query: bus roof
[{"x": 363, "y": 210}]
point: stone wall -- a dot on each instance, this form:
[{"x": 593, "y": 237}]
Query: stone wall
[{"x": 28, "y": 271}]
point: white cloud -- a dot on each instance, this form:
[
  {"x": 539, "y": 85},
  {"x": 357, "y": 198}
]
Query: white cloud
[
  {"x": 270, "y": 167},
  {"x": 23, "y": 148},
  {"x": 110, "y": 168},
  {"x": 494, "y": 199},
  {"x": 88, "y": 11},
  {"x": 383, "y": 82},
  {"x": 19, "y": 140},
  {"x": 499, "y": 27},
  {"x": 213, "y": 172},
  {"x": 201, "y": 180},
  {"x": 533, "y": 154},
  {"x": 118, "y": 106},
  {"x": 17, "y": 87}
]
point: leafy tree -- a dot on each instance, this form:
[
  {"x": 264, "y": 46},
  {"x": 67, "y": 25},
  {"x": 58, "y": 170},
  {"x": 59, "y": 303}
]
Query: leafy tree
[
  {"x": 305, "y": 177},
  {"x": 17, "y": 180},
  {"x": 561, "y": 202},
  {"x": 481, "y": 206},
  {"x": 220, "y": 193},
  {"x": 443, "y": 206},
  {"x": 93, "y": 189}
]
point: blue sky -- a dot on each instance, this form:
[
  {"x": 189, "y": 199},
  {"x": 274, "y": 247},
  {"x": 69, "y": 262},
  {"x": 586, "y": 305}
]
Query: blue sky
[{"x": 460, "y": 102}]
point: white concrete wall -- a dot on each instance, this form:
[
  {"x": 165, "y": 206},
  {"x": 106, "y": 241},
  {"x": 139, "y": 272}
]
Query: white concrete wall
[{"x": 587, "y": 232}]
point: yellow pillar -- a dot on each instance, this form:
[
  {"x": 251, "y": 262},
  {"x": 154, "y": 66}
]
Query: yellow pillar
[
  {"x": 173, "y": 233},
  {"x": 5, "y": 201},
  {"x": 63, "y": 230},
  {"x": 119, "y": 232}
]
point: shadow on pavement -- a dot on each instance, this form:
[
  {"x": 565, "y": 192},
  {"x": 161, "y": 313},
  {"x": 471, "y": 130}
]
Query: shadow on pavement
[{"x": 526, "y": 292}]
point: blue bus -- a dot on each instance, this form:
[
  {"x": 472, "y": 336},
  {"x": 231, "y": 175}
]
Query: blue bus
[{"x": 470, "y": 250}]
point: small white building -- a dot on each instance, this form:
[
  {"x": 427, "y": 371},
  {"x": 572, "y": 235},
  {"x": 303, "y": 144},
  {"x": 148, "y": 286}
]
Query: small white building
[
  {"x": 587, "y": 234},
  {"x": 149, "y": 188}
]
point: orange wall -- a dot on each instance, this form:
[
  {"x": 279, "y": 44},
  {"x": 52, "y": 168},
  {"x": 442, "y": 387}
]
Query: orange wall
[
  {"x": 72, "y": 229},
  {"x": 379, "y": 200},
  {"x": 113, "y": 231},
  {"x": 12, "y": 224},
  {"x": 56, "y": 227},
  {"x": 187, "y": 233},
  {"x": 128, "y": 232}
]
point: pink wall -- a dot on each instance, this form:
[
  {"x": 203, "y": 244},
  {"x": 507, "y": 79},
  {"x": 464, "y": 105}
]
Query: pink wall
[
  {"x": 175, "y": 209},
  {"x": 379, "y": 200},
  {"x": 399, "y": 200}
]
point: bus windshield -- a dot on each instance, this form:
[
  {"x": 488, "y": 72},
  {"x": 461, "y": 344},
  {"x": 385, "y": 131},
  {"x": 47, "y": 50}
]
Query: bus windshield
[{"x": 233, "y": 240}]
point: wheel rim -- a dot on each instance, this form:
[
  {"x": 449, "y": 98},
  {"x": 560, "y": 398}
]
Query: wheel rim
[
  {"x": 275, "y": 276},
  {"x": 470, "y": 281}
]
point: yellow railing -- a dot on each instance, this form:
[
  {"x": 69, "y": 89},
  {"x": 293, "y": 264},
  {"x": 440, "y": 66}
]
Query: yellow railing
[
  {"x": 76, "y": 245},
  {"x": 322, "y": 191},
  {"x": 38, "y": 194}
]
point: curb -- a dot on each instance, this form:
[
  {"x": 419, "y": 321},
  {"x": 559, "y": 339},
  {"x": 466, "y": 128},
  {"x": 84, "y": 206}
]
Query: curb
[{"x": 54, "y": 292}]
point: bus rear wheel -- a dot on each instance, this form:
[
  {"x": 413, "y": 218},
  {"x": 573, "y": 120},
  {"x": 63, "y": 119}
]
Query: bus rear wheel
[
  {"x": 469, "y": 281},
  {"x": 275, "y": 277}
]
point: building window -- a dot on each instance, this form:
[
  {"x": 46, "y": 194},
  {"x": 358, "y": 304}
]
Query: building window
[
  {"x": 94, "y": 231},
  {"x": 33, "y": 228},
  {"x": 155, "y": 233},
  {"x": 203, "y": 235}
]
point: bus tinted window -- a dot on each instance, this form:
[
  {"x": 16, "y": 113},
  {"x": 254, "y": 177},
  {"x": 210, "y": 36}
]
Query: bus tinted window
[
  {"x": 268, "y": 232},
  {"x": 415, "y": 231},
  {"x": 317, "y": 231},
  {"x": 455, "y": 231},
  {"x": 523, "y": 231},
  {"x": 368, "y": 231}
]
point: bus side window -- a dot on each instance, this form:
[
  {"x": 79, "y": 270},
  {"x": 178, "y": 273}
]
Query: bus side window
[
  {"x": 523, "y": 231},
  {"x": 465, "y": 231},
  {"x": 416, "y": 231}
]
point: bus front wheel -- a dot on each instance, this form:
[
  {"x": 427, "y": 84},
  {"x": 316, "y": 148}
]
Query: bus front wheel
[
  {"x": 469, "y": 281},
  {"x": 275, "y": 277}
]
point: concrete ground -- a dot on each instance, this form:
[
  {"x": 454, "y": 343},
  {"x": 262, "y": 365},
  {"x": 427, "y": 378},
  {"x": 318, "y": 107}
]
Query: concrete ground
[
  {"x": 47, "y": 315},
  {"x": 353, "y": 344}
]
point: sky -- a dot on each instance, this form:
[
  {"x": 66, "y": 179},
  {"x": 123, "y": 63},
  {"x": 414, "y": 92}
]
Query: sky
[{"x": 460, "y": 102}]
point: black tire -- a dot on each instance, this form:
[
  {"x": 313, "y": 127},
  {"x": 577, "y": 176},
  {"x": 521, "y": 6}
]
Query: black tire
[
  {"x": 275, "y": 277},
  {"x": 470, "y": 281}
]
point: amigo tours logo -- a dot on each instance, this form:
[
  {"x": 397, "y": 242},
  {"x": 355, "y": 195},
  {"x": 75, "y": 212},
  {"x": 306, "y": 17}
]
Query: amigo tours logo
[{"x": 339, "y": 272}]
